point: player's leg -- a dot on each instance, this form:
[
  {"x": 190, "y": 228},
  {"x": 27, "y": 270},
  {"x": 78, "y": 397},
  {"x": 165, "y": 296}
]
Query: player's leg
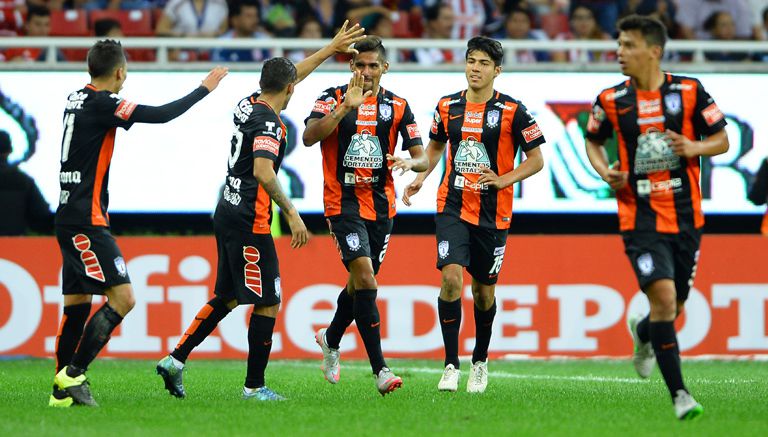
[
  {"x": 77, "y": 308},
  {"x": 260, "y": 329}
]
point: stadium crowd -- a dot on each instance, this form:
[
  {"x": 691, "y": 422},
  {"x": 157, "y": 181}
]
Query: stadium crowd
[{"x": 435, "y": 19}]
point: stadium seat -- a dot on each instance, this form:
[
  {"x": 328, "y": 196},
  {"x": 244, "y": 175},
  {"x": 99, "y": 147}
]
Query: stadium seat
[
  {"x": 554, "y": 24},
  {"x": 69, "y": 23},
  {"x": 401, "y": 24},
  {"x": 11, "y": 22},
  {"x": 134, "y": 23}
]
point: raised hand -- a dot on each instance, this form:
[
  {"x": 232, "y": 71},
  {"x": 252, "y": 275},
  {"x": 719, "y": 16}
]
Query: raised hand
[
  {"x": 342, "y": 41},
  {"x": 214, "y": 77},
  {"x": 354, "y": 97}
]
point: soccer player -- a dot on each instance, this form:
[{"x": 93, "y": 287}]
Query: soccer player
[
  {"x": 358, "y": 127},
  {"x": 248, "y": 272},
  {"x": 485, "y": 129},
  {"x": 663, "y": 124},
  {"x": 93, "y": 263}
]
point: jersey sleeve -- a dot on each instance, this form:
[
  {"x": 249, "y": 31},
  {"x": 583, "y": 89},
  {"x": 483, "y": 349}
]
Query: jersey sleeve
[
  {"x": 409, "y": 130},
  {"x": 115, "y": 111},
  {"x": 264, "y": 128},
  {"x": 707, "y": 117},
  {"x": 437, "y": 131},
  {"x": 599, "y": 128},
  {"x": 324, "y": 105},
  {"x": 525, "y": 130}
]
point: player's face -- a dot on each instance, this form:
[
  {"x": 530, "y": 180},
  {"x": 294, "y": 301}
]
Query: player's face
[
  {"x": 634, "y": 53},
  {"x": 371, "y": 67},
  {"x": 480, "y": 70}
]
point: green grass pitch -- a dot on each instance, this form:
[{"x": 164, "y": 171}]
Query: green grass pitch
[{"x": 523, "y": 398}]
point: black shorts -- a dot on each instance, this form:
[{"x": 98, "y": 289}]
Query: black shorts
[
  {"x": 247, "y": 270},
  {"x": 655, "y": 256},
  {"x": 480, "y": 250},
  {"x": 92, "y": 262},
  {"x": 356, "y": 237}
]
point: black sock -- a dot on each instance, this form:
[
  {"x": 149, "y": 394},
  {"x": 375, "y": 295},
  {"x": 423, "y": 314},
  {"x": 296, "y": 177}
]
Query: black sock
[
  {"x": 664, "y": 341},
  {"x": 642, "y": 329},
  {"x": 368, "y": 323},
  {"x": 95, "y": 337},
  {"x": 450, "y": 323},
  {"x": 70, "y": 332},
  {"x": 341, "y": 319},
  {"x": 260, "y": 330},
  {"x": 205, "y": 322},
  {"x": 483, "y": 328}
]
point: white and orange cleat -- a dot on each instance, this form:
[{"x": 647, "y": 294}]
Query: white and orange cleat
[
  {"x": 387, "y": 382},
  {"x": 330, "y": 367}
]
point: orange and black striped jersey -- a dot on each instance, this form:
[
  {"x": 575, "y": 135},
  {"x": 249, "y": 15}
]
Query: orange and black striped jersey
[
  {"x": 663, "y": 192},
  {"x": 481, "y": 135},
  {"x": 357, "y": 180},
  {"x": 259, "y": 133}
]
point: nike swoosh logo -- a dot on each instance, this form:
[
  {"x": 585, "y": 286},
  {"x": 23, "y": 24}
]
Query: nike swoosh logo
[
  {"x": 454, "y": 117},
  {"x": 373, "y": 325},
  {"x": 267, "y": 343},
  {"x": 668, "y": 346},
  {"x": 449, "y": 320},
  {"x": 623, "y": 111}
]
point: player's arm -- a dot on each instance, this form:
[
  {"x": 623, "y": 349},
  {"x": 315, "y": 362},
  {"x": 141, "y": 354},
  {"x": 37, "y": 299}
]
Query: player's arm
[
  {"x": 534, "y": 162},
  {"x": 319, "y": 129},
  {"x": 169, "y": 111},
  {"x": 264, "y": 172},
  {"x": 341, "y": 43},
  {"x": 609, "y": 173},
  {"x": 434, "y": 153}
]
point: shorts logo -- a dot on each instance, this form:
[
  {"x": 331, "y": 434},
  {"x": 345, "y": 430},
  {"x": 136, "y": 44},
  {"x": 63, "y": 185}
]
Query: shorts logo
[
  {"x": 353, "y": 241},
  {"x": 499, "y": 250},
  {"x": 120, "y": 266},
  {"x": 442, "y": 249},
  {"x": 364, "y": 151},
  {"x": 278, "y": 287},
  {"x": 645, "y": 264},
  {"x": 252, "y": 271},
  {"x": 88, "y": 257},
  {"x": 124, "y": 110}
]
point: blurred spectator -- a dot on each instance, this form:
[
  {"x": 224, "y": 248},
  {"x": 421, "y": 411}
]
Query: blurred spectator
[
  {"x": 24, "y": 206},
  {"x": 308, "y": 28},
  {"x": 759, "y": 9},
  {"x": 196, "y": 18},
  {"x": 471, "y": 16},
  {"x": 691, "y": 15},
  {"x": 378, "y": 24},
  {"x": 324, "y": 12},
  {"x": 721, "y": 27},
  {"x": 758, "y": 192},
  {"x": 518, "y": 26},
  {"x": 584, "y": 27},
  {"x": 606, "y": 12},
  {"x": 108, "y": 27},
  {"x": 38, "y": 24},
  {"x": 765, "y": 24},
  {"x": 53, "y": 5},
  {"x": 440, "y": 23},
  {"x": 662, "y": 10},
  {"x": 278, "y": 17},
  {"x": 245, "y": 22}
]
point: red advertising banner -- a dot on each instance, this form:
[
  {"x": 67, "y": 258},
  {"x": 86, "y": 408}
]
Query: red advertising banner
[{"x": 556, "y": 296}]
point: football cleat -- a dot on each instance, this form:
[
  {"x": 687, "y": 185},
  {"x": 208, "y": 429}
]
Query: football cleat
[
  {"x": 387, "y": 382},
  {"x": 478, "y": 377},
  {"x": 643, "y": 357},
  {"x": 60, "y": 398},
  {"x": 261, "y": 394},
  {"x": 450, "y": 379},
  {"x": 330, "y": 367},
  {"x": 76, "y": 387},
  {"x": 686, "y": 407},
  {"x": 172, "y": 376}
]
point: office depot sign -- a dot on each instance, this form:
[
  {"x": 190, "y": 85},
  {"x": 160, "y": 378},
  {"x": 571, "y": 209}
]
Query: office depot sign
[{"x": 557, "y": 296}]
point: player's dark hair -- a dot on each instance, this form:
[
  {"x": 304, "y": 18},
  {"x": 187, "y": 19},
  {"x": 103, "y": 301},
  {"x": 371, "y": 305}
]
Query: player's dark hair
[
  {"x": 277, "y": 74},
  {"x": 371, "y": 44},
  {"x": 489, "y": 46},
  {"x": 654, "y": 32},
  {"x": 104, "y": 57},
  {"x": 37, "y": 10},
  {"x": 105, "y": 25},
  {"x": 236, "y": 7},
  {"x": 5, "y": 143}
]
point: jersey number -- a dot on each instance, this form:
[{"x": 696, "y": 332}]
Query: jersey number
[
  {"x": 238, "y": 137},
  {"x": 69, "y": 124}
]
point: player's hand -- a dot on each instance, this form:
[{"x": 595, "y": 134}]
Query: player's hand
[
  {"x": 411, "y": 189},
  {"x": 342, "y": 41},
  {"x": 399, "y": 163},
  {"x": 682, "y": 145},
  {"x": 615, "y": 178},
  {"x": 490, "y": 178},
  {"x": 354, "y": 97},
  {"x": 299, "y": 233},
  {"x": 214, "y": 77}
]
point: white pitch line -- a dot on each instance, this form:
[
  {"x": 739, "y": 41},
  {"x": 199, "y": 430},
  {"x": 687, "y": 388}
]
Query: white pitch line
[{"x": 508, "y": 375}]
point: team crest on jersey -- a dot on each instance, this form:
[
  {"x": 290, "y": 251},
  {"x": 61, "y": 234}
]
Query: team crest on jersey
[
  {"x": 492, "y": 118},
  {"x": 471, "y": 156},
  {"x": 385, "y": 112},
  {"x": 645, "y": 264},
  {"x": 353, "y": 241},
  {"x": 364, "y": 151},
  {"x": 654, "y": 154},
  {"x": 120, "y": 266},
  {"x": 673, "y": 103},
  {"x": 442, "y": 249}
]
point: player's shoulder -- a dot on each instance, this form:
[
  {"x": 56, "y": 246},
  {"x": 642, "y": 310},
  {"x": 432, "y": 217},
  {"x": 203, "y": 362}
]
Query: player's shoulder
[
  {"x": 333, "y": 92},
  {"x": 505, "y": 101},
  {"x": 393, "y": 99},
  {"x": 451, "y": 99},
  {"x": 682, "y": 83},
  {"x": 614, "y": 92}
]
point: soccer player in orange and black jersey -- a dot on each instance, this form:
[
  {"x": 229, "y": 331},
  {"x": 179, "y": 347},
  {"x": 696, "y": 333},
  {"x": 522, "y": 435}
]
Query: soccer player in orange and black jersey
[
  {"x": 663, "y": 124},
  {"x": 248, "y": 272},
  {"x": 485, "y": 129},
  {"x": 358, "y": 126},
  {"x": 93, "y": 263}
]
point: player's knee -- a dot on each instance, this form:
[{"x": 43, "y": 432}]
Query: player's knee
[
  {"x": 483, "y": 300},
  {"x": 364, "y": 281},
  {"x": 663, "y": 307},
  {"x": 451, "y": 285}
]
